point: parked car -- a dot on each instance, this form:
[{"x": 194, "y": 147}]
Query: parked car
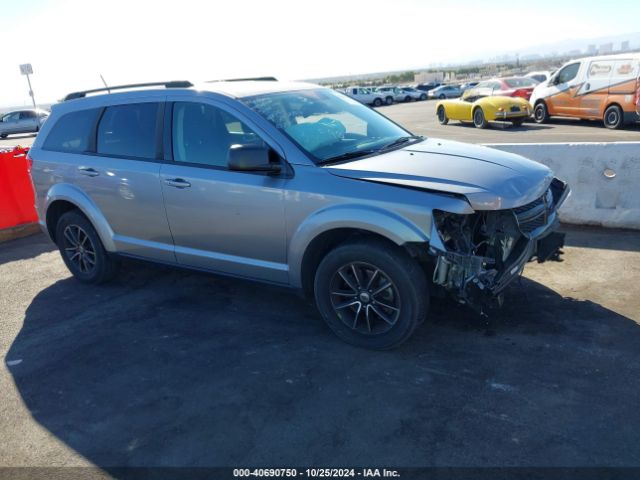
[
  {"x": 425, "y": 87},
  {"x": 445, "y": 91},
  {"x": 467, "y": 85},
  {"x": 295, "y": 185},
  {"x": 482, "y": 110},
  {"x": 541, "y": 76},
  {"x": 506, "y": 87},
  {"x": 603, "y": 88},
  {"x": 22, "y": 121},
  {"x": 367, "y": 96},
  {"x": 391, "y": 93},
  {"x": 413, "y": 94}
]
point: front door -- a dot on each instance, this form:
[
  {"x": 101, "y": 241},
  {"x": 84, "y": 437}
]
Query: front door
[
  {"x": 222, "y": 220},
  {"x": 563, "y": 92}
]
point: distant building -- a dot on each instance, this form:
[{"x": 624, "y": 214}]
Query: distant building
[
  {"x": 605, "y": 48},
  {"x": 427, "y": 77},
  {"x": 592, "y": 50},
  {"x": 624, "y": 46}
]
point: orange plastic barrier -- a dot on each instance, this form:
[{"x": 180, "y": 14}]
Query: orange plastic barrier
[{"x": 16, "y": 193}]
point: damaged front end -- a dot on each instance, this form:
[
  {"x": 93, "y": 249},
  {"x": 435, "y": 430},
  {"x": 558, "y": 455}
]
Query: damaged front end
[{"x": 478, "y": 255}]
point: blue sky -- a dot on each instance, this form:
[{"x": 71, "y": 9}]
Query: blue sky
[{"x": 71, "y": 42}]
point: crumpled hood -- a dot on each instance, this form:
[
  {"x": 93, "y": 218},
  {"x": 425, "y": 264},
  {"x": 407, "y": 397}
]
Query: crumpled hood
[{"x": 490, "y": 179}]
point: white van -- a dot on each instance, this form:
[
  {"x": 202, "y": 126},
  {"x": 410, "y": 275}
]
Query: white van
[{"x": 605, "y": 87}]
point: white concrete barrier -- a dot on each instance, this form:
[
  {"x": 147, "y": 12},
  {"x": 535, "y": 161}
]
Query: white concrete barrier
[{"x": 604, "y": 179}]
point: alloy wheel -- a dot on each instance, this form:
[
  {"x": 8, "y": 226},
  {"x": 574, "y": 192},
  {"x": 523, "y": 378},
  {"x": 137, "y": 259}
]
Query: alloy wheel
[
  {"x": 365, "y": 298},
  {"x": 79, "y": 248}
]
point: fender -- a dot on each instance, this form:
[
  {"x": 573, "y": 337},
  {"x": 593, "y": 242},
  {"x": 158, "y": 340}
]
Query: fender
[
  {"x": 363, "y": 217},
  {"x": 72, "y": 194}
]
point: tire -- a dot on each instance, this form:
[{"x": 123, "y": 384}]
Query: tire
[
  {"x": 540, "y": 113},
  {"x": 388, "y": 100},
  {"x": 517, "y": 122},
  {"x": 407, "y": 99},
  {"x": 377, "y": 102},
  {"x": 442, "y": 96},
  {"x": 479, "y": 120},
  {"x": 80, "y": 245},
  {"x": 4, "y": 135},
  {"x": 442, "y": 115},
  {"x": 375, "y": 320},
  {"x": 613, "y": 117},
  {"x": 423, "y": 96}
]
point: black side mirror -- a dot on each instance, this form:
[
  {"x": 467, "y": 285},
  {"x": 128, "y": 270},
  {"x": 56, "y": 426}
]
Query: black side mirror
[{"x": 251, "y": 158}]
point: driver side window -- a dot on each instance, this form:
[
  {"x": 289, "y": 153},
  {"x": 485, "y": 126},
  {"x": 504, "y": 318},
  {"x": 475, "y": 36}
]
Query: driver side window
[
  {"x": 202, "y": 134},
  {"x": 568, "y": 73}
]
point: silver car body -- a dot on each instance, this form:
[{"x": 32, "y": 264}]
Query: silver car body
[
  {"x": 445, "y": 91},
  {"x": 22, "y": 121},
  {"x": 260, "y": 226}
]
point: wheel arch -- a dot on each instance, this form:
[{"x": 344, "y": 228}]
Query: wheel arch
[
  {"x": 62, "y": 198},
  {"x": 326, "y": 229}
]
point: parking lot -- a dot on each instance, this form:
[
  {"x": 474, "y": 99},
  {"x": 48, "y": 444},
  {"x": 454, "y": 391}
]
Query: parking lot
[
  {"x": 420, "y": 118},
  {"x": 169, "y": 367}
]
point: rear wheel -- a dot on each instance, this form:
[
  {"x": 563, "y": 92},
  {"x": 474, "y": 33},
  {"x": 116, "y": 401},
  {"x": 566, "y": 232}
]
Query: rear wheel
[
  {"x": 388, "y": 100},
  {"x": 540, "y": 113},
  {"x": 442, "y": 115},
  {"x": 479, "y": 119},
  {"x": 423, "y": 96},
  {"x": 3, "y": 135},
  {"x": 371, "y": 294},
  {"x": 81, "y": 249},
  {"x": 613, "y": 117},
  {"x": 442, "y": 96},
  {"x": 377, "y": 102}
]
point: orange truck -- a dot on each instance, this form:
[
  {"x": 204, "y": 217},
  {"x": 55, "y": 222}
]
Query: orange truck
[{"x": 603, "y": 88}]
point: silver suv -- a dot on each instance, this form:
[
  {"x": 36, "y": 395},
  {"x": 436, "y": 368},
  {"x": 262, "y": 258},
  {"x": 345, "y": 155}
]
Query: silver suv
[{"x": 295, "y": 185}]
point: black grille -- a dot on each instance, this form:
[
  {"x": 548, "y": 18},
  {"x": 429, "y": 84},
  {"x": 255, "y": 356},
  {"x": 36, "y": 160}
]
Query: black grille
[
  {"x": 515, "y": 109},
  {"x": 533, "y": 215}
]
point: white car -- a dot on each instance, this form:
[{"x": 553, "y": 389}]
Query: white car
[
  {"x": 365, "y": 95},
  {"x": 391, "y": 94},
  {"x": 540, "y": 76},
  {"x": 413, "y": 94}
]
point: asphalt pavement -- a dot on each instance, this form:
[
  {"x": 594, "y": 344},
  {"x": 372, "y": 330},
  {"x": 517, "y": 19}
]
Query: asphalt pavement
[{"x": 169, "y": 367}]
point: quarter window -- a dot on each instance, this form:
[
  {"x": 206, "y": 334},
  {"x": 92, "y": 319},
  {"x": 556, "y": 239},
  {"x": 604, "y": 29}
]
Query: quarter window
[
  {"x": 71, "y": 132},
  {"x": 128, "y": 131},
  {"x": 202, "y": 134}
]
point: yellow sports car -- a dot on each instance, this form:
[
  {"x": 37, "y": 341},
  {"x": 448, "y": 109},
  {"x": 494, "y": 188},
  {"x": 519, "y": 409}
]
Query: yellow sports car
[{"x": 482, "y": 110}]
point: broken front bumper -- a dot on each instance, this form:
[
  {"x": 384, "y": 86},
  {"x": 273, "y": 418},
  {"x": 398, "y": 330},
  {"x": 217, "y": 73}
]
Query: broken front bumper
[{"x": 511, "y": 238}]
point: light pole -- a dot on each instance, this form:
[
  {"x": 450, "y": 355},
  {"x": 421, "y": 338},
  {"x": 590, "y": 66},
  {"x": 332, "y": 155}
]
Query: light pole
[{"x": 26, "y": 69}]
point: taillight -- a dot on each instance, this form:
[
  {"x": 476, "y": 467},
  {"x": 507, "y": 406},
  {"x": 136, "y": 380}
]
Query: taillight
[
  {"x": 522, "y": 94},
  {"x": 29, "y": 161}
]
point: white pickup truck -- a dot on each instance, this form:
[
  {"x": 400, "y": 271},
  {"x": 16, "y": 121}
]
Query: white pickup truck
[{"x": 365, "y": 95}]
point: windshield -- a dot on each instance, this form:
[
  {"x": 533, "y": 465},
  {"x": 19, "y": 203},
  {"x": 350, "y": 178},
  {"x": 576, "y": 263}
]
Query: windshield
[{"x": 327, "y": 125}]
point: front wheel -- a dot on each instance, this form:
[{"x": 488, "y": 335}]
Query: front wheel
[
  {"x": 81, "y": 249},
  {"x": 371, "y": 294},
  {"x": 407, "y": 98},
  {"x": 388, "y": 100},
  {"x": 479, "y": 120},
  {"x": 540, "y": 113},
  {"x": 423, "y": 96},
  {"x": 613, "y": 117},
  {"x": 442, "y": 96},
  {"x": 377, "y": 102},
  {"x": 3, "y": 135},
  {"x": 442, "y": 116}
]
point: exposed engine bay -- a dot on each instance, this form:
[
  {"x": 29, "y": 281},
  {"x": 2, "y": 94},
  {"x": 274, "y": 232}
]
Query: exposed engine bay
[{"x": 480, "y": 254}]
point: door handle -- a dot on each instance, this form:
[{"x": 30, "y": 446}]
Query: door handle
[
  {"x": 177, "y": 183},
  {"x": 88, "y": 171}
]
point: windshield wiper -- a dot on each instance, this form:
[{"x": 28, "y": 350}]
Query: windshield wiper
[
  {"x": 400, "y": 141},
  {"x": 348, "y": 156}
]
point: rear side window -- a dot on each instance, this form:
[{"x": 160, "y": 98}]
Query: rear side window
[
  {"x": 71, "y": 132},
  {"x": 128, "y": 131}
]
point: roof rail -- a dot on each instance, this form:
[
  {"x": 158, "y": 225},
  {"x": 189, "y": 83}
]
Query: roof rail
[
  {"x": 249, "y": 79},
  {"x": 172, "y": 84}
]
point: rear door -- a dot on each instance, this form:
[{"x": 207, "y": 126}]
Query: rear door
[
  {"x": 222, "y": 220},
  {"x": 624, "y": 88},
  {"x": 120, "y": 173}
]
